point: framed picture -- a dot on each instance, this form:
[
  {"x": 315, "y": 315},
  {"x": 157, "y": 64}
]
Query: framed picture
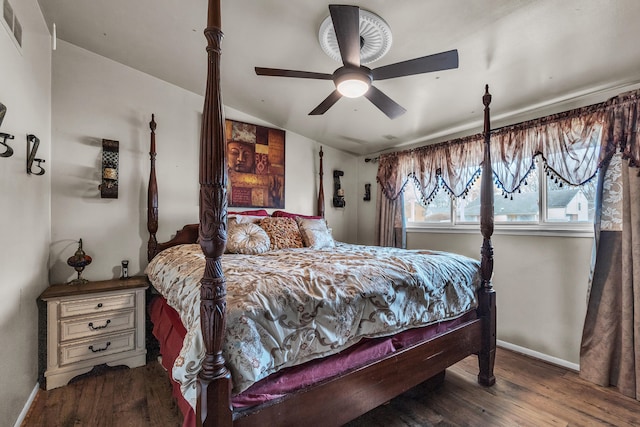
[{"x": 255, "y": 161}]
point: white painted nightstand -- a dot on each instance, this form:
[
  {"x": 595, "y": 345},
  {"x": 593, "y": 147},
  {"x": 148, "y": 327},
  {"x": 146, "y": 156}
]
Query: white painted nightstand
[{"x": 92, "y": 324}]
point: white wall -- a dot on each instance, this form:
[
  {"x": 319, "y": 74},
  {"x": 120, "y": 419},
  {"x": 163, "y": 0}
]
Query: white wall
[
  {"x": 25, "y": 88},
  {"x": 541, "y": 285},
  {"x": 96, "y": 98}
]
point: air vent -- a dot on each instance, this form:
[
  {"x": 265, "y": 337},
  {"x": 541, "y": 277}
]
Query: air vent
[{"x": 12, "y": 24}]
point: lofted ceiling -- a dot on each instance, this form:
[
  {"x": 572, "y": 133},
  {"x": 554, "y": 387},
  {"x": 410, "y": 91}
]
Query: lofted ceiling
[{"x": 534, "y": 54}]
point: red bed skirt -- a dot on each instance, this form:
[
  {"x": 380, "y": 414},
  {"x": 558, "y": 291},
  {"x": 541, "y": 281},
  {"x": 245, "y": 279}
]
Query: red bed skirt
[{"x": 168, "y": 329}]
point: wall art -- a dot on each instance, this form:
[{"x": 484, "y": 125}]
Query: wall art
[{"x": 255, "y": 161}]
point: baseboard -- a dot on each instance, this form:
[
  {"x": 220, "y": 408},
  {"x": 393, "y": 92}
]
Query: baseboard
[
  {"x": 537, "y": 355},
  {"x": 27, "y": 406}
]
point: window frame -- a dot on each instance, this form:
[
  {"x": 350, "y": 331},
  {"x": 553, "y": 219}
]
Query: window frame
[{"x": 541, "y": 227}]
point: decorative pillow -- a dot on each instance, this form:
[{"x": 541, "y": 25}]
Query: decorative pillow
[
  {"x": 244, "y": 218},
  {"x": 283, "y": 232},
  {"x": 283, "y": 214},
  {"x": 315, "y": 233},
  {"x": 247, "y": 238}
]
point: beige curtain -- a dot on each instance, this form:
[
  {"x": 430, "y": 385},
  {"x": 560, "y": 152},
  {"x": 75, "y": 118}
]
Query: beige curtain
[
  {"x": 390, "y": 224},
  {"x": 394, "y": 171},
  {"x": 610, "y": 350}
]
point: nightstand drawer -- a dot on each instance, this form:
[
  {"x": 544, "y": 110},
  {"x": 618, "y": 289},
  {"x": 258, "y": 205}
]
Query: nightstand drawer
[
  {"x": 97, "y": 305},
  {"x": 77, "y": 352},
  {"x": 95, "y": 325}
]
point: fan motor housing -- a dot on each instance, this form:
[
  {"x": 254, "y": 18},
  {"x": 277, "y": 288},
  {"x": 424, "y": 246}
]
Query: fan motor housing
[{"x": 348, "y": 73}]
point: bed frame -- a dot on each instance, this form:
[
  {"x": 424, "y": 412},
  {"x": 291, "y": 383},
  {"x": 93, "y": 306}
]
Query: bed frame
[{"x": 349, "y": 395}]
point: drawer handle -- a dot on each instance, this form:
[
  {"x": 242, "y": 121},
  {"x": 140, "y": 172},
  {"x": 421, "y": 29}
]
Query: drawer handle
[
  {"x": 99, "y": 305},
  {"x": 95, "y": 328},
  {"x": 97, "y": 350}
]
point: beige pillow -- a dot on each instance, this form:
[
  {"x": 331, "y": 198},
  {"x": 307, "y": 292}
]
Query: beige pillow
[
  {"x": 247, "y": 238},
  {"x": 315, "y": 233},
  {"x": 283, "y": 232}
]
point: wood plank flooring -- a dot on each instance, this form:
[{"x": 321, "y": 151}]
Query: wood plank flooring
[{"x": 528, "y": 392}]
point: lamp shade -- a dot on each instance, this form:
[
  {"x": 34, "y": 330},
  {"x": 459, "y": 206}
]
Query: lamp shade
[{"x": 353, "y": 88}]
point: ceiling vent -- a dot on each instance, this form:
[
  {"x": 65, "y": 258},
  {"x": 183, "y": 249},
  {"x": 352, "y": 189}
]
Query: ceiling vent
[{"x": 375, "y": 38}]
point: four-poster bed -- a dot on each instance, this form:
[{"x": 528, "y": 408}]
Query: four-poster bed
[{"x": 357, "y": 389}]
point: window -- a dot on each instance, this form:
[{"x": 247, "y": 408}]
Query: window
[
  {"x": 557, "y": 205},
  {"x": 436, "y": 212},
  {"x": 570, "y": 204}
]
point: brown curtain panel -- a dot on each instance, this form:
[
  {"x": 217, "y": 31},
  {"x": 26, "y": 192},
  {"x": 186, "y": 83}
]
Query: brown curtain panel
[
  {"x": 390, "y": 224},
  {"x": 610, "y": 350}
]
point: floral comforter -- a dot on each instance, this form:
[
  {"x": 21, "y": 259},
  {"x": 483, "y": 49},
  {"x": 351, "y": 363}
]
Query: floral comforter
[{"x": 289, "y": 306}]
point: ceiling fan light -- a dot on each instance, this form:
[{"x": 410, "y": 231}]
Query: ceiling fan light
[{"x": 353, "y": 86}]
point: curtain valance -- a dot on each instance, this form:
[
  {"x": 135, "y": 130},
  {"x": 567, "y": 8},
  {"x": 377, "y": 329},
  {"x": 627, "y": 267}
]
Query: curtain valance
[
  {"x": 568, "y": 143},
  {"x": 621, "y": 128},
  {"x": 453, "y": 165}
]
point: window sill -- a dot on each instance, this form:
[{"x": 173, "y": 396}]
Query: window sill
[{"x": 509, "y": 230}]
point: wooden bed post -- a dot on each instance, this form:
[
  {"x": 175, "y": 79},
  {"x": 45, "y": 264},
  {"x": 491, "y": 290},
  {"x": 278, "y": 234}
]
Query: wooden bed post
[
  {"x": 214, "y": 379},
  {"x": 152, "y": 195},
  {"x": 487, "y": 296},
  {"x": 320, "y": 207}
]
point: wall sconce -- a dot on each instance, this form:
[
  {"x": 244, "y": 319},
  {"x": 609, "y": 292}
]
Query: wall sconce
[
  {"x": 338, "y": 191},
  {"x": 367, "y": 193},
  {"x": 33, "y": 142},
  {"x": 8, "y": 152},
  {"x": 110, "y": 153}
]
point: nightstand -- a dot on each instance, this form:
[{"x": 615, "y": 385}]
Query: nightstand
[{"x": 91, "y": 324}]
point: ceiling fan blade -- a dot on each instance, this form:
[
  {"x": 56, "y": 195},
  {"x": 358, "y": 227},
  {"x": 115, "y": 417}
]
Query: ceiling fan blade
[
  {"x": 346, "y": 23},
  {"x": 387, "y": 105},
  {"x": 426, "y": 64},
  {"x": 326, "y": 104},
  {"x": 277, "y": 72}
]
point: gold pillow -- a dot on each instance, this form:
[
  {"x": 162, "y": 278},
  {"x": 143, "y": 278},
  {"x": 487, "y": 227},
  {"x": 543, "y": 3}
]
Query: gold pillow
[
  {"x": 283, "y": 232},
  {"x": 247, "y": 238},
  {"x": 315, "y": 233}
]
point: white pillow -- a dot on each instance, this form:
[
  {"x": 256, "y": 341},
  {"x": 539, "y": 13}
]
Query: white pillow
[
  {"x": 247, "y": 238},
  {"x": 315, "y": 233}
]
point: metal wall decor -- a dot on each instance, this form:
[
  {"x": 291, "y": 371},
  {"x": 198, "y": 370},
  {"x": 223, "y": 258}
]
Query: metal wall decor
[
  {"x": 110, "y": 164},
  {"x": 8, "y": 151},
  {"x": 33, "y": 142}
]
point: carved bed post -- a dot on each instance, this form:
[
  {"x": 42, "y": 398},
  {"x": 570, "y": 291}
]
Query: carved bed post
[
  {"x": 487, "y": 296},
  {"x": 214, "y": 380},
  {"x": 320, "y": 208},
  {"x": 152, "y": 195}
]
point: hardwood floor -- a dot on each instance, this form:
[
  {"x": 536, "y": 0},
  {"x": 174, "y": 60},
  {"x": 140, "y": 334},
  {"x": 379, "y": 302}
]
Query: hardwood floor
[
  {"x": 139, "y": 397},
  {"x": 528, "y": 392}
]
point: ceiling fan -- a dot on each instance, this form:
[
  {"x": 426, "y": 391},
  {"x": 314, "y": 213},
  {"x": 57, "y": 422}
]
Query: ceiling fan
[{"x": 354, "y": 80}]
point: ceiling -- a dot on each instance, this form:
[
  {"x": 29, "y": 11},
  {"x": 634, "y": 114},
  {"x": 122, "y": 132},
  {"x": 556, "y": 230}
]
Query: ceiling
[{"x": 534, "y": 54}]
